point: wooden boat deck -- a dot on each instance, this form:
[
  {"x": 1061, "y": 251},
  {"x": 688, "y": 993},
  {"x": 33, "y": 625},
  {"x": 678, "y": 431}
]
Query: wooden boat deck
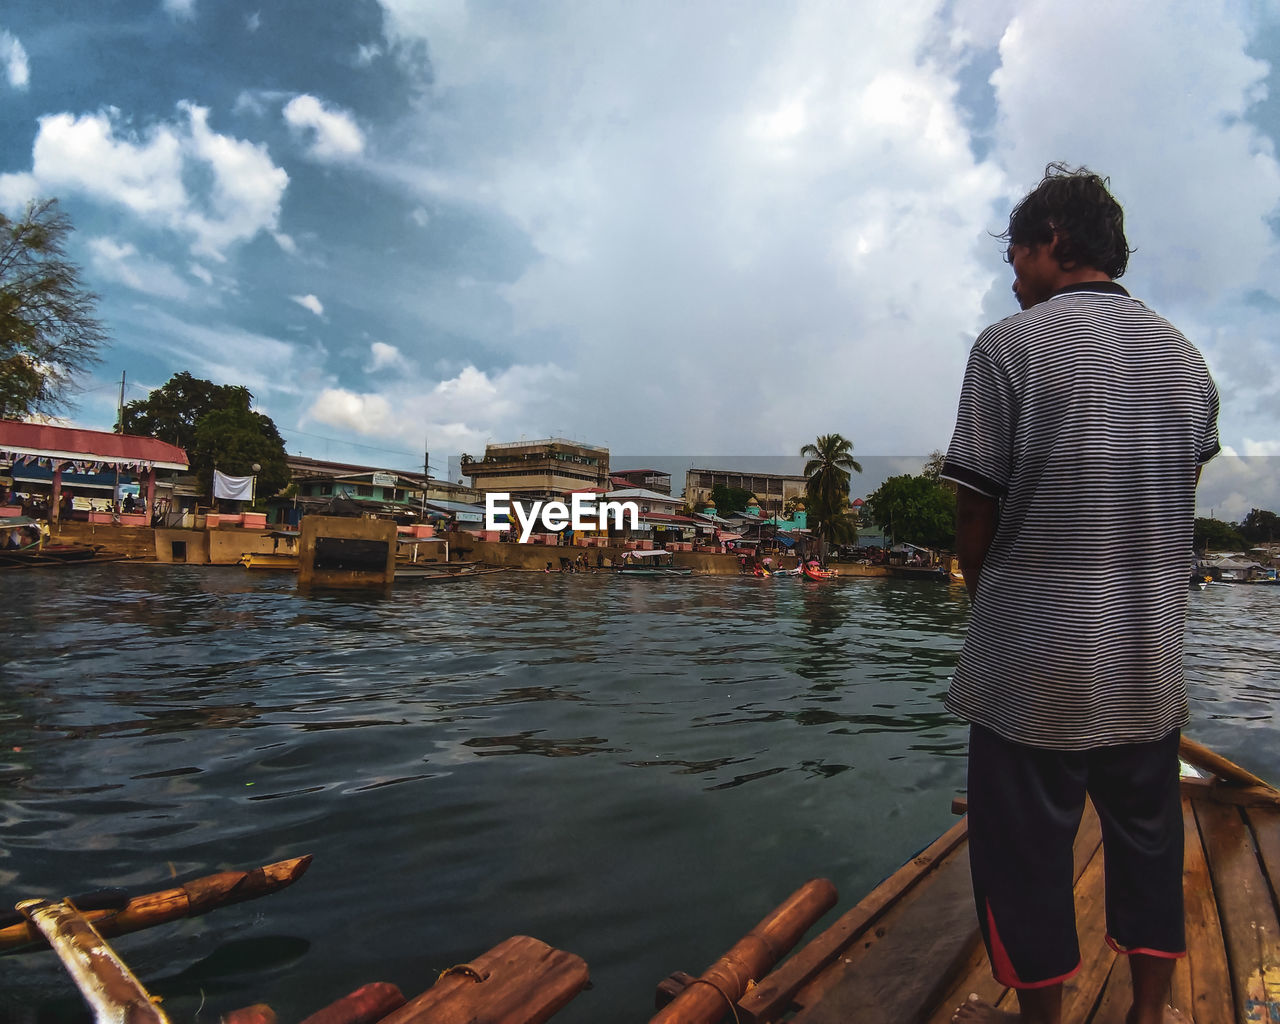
[{"x": 911, "y": 951}]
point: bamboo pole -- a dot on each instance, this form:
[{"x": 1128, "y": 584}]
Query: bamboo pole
[
  {"x": 1200, "y": 756},
  {"x": 195, "y": 897},
  {"x": 105, "y": 981},
  {"x": 712, "y": 995}
]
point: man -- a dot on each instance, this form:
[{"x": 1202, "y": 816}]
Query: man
[{"x": 1082, "y": 424}]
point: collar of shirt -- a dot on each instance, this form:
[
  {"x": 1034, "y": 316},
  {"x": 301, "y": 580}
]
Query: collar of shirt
[{"x": 1110, "y": 287}]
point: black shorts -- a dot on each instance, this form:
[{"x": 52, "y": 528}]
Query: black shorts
[{"x": 1025, "y": 805}]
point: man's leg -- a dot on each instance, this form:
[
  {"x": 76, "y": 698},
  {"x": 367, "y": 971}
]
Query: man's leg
[
  {"x": 1024, "y": 810},
  {"x": 1136, "y": 791}
]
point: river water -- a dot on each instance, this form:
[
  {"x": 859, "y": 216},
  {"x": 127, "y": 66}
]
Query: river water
[{"x": 634, "y": 770}]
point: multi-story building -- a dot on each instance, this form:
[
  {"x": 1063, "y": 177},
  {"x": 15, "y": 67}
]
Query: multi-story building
[
  {"x": 548, "y": 468},
  {"x": 319, "y": 482},
  {"x": 646, "y": 479},
  {"x": 772, "y": 490}
]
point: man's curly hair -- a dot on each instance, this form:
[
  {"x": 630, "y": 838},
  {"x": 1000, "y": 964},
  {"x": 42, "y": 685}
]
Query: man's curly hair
[{"x": 1073, "y": 203}]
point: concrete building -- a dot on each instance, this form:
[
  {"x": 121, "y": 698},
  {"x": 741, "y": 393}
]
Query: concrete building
[
  {"x": 772, "y": 490},
  {"x": 549, "y": 468},
  {"x": 647, "y": 479}
]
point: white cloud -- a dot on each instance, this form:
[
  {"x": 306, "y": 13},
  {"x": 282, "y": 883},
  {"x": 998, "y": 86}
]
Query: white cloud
[
  {"x": 309, "y": 302},
  {"x": 102, "y": 157},
  {"x": 13, "y": 58},
  {"x": 367, "y": 53},
  {"x": 333, "y": 133},
  {"x": 181, "y": 9},
  {"x": 386, "y": 357},
  {"x": 122, "y": 262},
  {"x": 461, "y": 412},
  {"x": 369, "y": 415},
  {"x": 1158, "y": 102},
  {"x": 254, "y": 21}
]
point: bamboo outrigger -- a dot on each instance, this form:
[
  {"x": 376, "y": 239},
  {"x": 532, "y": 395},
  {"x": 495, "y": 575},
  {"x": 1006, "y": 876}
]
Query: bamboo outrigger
[
  {"x": 910, "y": 950},
  {"x": 519, "y": 981}
]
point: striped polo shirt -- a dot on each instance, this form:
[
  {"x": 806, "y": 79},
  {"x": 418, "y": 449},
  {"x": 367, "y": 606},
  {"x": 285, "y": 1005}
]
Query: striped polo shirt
[{"x": 1087, "y": 416}]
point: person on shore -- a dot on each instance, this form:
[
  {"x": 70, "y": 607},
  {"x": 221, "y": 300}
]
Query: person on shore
[{"x": 1072, "y": 682}]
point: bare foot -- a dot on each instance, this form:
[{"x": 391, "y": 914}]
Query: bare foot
[
  {"x": 975, "y": 1011},
  {"x": 1171, "y": 1016}
]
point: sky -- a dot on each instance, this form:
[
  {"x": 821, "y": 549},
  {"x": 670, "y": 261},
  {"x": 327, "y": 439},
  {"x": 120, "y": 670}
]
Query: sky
[{"x": 679, "y": 230}]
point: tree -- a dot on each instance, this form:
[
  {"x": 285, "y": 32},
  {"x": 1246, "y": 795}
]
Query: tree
[
  {"x": 914, "y": 509},
  {"x": 1260, "y": 527},
  {"x": 216, "y": 426},
  {"x": 729, "y": 499},
  {"x": 933, "y": 465},
  {"x": 49, "y": 335},
  {"x": 1215, "y": 535},
  {"x": 830, "y": 466},
  {"x": 171, "y": 412}
]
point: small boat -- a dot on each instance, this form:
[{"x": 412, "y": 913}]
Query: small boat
[
  {"x": 638, "y": 563},
  {"x": 910, "y": 950},
  {"x": 31, "y": 548},
  {"x": 424, "y": 573},
  {"x": 286, "y": 561},
  {"x": 815, "y": 572}
]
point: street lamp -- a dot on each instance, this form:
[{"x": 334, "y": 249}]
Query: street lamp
[{"x": 253, "y": 486}]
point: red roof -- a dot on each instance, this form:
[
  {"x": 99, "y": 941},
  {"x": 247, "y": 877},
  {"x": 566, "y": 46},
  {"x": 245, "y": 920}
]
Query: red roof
[
  {"x": 88, "y": 445},
  {"x": 858, "y": 501}
]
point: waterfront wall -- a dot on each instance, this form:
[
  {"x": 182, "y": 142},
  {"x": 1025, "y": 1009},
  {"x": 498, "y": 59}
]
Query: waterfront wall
[
  {"x": 536, "y": 556},
  {"x": 121, "y": 541}
]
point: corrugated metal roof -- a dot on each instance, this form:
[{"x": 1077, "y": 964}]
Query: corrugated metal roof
[{"x": 74, "y": 444}]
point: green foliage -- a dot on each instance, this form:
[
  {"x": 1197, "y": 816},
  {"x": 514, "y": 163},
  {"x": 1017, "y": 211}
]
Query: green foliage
[
  {"x": 216, "y": 426},
  {"x": 1260, "y": 527},
  {"x": 933, "y": 465},
  {"x": 1215, "y": 535},
  {"x": 49, "y": 335},
  {"x": 914, "y": 509},
  {"x": 171, "y": 412},
  {"x": 729, "y": 499},
  {"x": 830, "y": 466}
]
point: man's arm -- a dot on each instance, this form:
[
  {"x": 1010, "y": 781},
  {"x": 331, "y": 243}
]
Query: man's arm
[{"x": 976, "y": 519}]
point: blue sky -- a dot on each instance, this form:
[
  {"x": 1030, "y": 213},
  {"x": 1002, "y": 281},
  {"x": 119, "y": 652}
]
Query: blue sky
[{"x": 667, "y": 228}]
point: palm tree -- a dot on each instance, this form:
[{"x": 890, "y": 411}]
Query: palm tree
[{"x": 830, "y": 465}]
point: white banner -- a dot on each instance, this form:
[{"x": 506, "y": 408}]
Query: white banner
[{"x": 236, "y": 488}]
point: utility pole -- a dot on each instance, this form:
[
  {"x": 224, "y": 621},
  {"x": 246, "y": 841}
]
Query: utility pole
[{"x": 120, "y": 411}]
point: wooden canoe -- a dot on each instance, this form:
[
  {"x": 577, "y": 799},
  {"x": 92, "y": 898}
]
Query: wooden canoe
[{"x": 910, "y": 950}]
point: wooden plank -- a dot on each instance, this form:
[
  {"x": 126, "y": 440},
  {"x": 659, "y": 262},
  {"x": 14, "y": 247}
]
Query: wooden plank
[
  {"x": 1117, "y": 995},
  {"x": 706, "y": 1000},
  {"x": 1248, "y": 916},
  {"x": 1202, "y": 980},
  {"x": 902, "y": 975},
  {"x": 976, "y": 978},
  {"x": 519, "y": 981},
  {"x": 1265, "y": 825},
  {"x": 774, "y": 992},
  {"x": 1080, "y": 994}
]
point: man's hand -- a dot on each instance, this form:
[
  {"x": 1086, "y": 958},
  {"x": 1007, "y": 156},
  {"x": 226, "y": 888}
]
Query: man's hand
[{"x": 977, "y": 517}]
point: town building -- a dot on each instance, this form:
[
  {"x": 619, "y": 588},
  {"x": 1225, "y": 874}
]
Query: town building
[
  {"x": 538, "y": 470},
  {"x": 772, "y": 490},
  {"x": 648, "y": 479},
  {"x": 317, "y": 484}
]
